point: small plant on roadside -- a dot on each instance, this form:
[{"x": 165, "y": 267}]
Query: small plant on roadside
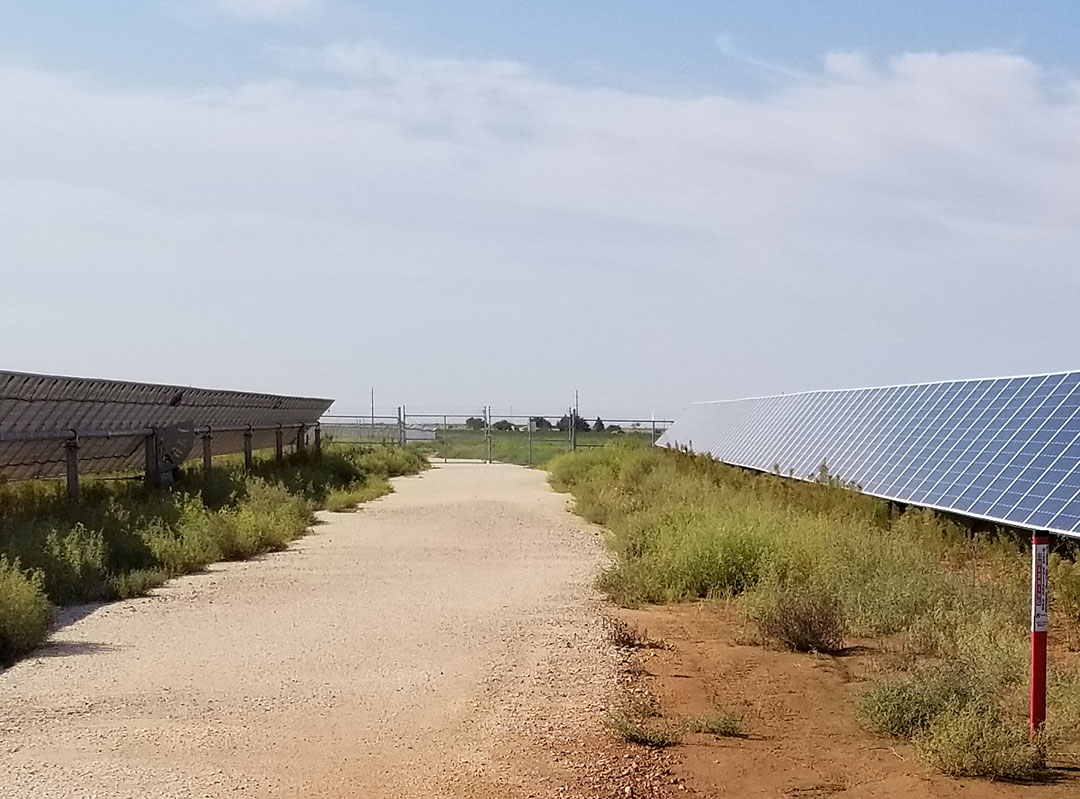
[
  {"x": 135, "y": 583},
  {"x": 634, "y": 729},
  {"x": 719, "y": 722},
  {"x": 626, "y": 636},
  {"x": 346, "y": 500}
]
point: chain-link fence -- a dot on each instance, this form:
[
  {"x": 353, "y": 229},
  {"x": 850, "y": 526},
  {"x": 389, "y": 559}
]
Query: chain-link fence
[{"x": 528, "y": 439}]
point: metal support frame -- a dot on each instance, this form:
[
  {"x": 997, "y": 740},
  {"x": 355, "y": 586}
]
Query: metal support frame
[
  {"x": 279, "y": 445},
  {"x": 71, "y": 453},
  {"x": 207, "y": 451},
  {"x": 1040, "y": 623},
  {"x": 249, "y": 456},
  {"x": 301, "y": 439},
  {"x": 318, "y": 440}
]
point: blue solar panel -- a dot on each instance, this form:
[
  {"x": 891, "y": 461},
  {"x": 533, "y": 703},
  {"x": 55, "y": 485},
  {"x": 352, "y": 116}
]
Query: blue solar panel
[{"x": 1005, "y": 449}]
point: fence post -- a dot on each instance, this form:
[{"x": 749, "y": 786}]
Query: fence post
[
  {"x": 249, "y": 458},
  {"x": 301, "y": 439},
  {"x": 573, "y": 429},
  {"x": 487, "y": 428},
  {"x": 531, "y": 426},
  {"x": 71, "y": 451},
  {"x": 207, "y": 451},
  {"x": 279, "y": 445},
  {"x": 318, "y": 440}
]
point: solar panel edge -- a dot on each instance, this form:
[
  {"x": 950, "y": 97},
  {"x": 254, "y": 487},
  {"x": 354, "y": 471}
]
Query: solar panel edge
[{"x": 984, "y": 441}]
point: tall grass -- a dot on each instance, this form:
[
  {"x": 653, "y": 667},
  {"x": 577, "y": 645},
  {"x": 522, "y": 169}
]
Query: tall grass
[
  {"x": 123, "y": 538},
  {"x": 513, "y": 446},
  {"x": 817, "y": 564}
]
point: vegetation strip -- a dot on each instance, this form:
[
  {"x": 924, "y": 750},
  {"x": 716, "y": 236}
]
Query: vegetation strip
[
  {"x": 124, "y": 538},
  {"x": 817, "y": 566}
]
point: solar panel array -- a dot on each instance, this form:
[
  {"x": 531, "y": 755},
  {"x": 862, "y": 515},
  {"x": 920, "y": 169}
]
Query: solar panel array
[
  {"x": 1004, "y": 449},
  {"x": 112, "y": 419}
]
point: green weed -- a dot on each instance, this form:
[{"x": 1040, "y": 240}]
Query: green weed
[
  {"x": 124, "y": 538},
  {"x": 719, "y": 722},
  {"x": 816, "y": 563},
  {"x": 632, "y": 727},
  {"x": 25, "y": 612}
]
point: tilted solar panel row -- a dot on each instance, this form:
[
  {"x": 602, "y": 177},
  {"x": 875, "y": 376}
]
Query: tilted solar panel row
[
  {"x": 1004, "y": 449},
  {"x": 111, "y": 416}
]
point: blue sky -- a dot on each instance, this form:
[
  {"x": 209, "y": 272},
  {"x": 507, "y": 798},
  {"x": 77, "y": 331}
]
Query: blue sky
[
  {"x": 636, "y": 43},
  {"x": 480, "y": 203}
]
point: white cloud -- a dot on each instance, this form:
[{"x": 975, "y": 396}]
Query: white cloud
[{"x": 452, "y": 229}]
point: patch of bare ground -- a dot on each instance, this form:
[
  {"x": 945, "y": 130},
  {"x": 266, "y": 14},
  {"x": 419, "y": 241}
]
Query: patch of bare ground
[{"x": 798, "y": 712}]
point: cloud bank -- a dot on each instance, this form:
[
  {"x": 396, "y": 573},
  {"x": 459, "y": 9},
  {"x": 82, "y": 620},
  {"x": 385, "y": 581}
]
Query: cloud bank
[{"x": 464, "y": 232}]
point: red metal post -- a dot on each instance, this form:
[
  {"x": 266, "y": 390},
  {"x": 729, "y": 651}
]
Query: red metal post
[{"x": 1040, "y": 564}]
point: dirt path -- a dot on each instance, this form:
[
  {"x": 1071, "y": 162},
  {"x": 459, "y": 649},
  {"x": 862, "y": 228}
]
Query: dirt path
[{"x": 442, "y": 641}]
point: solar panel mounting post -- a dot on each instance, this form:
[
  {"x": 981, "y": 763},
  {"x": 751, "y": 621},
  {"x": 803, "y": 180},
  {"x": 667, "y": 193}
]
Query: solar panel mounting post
[
  {"x": 279, "y": 445},
  {"x": 207, "y": 451},
  {"x": 318, "y": 440},
  {"x": 249, "y": 459},
  {"x": 150, "y": 446},
  {"x": 71, "y": 453},
  {"x": 1040, "y": 584}
]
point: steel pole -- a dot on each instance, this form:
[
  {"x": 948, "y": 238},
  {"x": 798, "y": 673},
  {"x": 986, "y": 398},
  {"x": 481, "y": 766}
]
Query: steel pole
[
  {"x": 1040, "y": 623},
  {"x": 487, "y": 429}
]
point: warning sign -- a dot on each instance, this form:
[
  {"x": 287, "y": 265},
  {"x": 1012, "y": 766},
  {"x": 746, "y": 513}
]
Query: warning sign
[{"x": 1040, "y": 565}]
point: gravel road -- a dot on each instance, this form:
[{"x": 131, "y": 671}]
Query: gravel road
[{"x": 442, "y": 641}]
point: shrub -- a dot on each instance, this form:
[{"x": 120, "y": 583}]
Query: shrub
[
  {"x": 805, "y": 618},
  {"x": 973, "y": 741},
  {"x": 267, "y": 519},
  {"x": 25, "y": 612},
  {"x": 905, "y": 706},
  {"x": 74, "y": 565}
]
